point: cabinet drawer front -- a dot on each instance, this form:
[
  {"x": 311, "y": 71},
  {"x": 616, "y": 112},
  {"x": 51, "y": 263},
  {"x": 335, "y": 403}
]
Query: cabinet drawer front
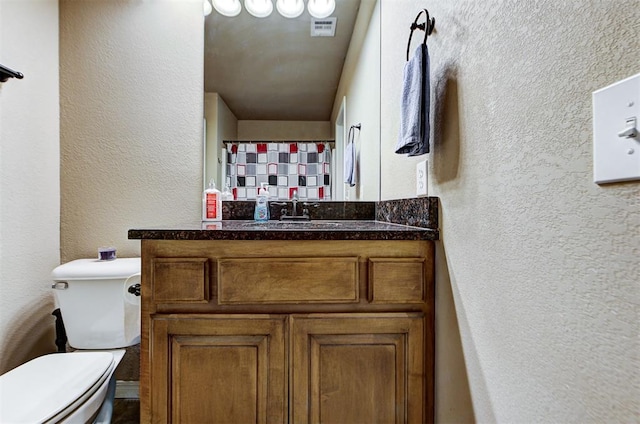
[
  {"x": 288, "y": 280},
  {"x": 181, "y": 280},
  {"x": 396, "y": 280}
]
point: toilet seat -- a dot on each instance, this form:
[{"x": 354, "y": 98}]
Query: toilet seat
[{"x": 53, "y": 387}]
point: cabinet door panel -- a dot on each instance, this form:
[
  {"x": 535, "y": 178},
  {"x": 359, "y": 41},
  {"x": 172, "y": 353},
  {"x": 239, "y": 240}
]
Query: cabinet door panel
[
  {"x": 196, "y": 363},
  {"x": 219, "y": 369},
  {"x": 358, "y": 368}
]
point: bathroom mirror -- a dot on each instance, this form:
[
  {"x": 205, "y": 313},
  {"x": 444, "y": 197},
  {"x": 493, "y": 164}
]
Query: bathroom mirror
[{"x": 300, "y": 79}]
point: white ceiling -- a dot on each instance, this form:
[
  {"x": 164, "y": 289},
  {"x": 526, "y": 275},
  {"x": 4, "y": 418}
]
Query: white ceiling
[{"x": 271, "y": 68}]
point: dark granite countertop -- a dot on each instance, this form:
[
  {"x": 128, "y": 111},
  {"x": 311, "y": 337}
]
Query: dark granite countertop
[
  {"x": 278, "y": 230},
  {"x": 403, "y": 219}
]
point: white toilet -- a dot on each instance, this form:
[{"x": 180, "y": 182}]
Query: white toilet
[{"x": 100, "y": 306}]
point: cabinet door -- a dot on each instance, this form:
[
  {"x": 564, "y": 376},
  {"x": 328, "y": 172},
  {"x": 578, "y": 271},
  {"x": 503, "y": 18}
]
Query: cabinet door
[
  {"x": 222, "y": 369},
  {"x": 358, "y": 368}
]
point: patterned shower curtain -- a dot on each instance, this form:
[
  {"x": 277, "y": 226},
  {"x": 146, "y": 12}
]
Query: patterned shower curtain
[{"x": 285, "y": 167}]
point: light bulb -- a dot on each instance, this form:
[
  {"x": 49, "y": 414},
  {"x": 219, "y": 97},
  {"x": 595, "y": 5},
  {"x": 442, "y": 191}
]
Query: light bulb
[
  {"x": 290, "y": 8},
  {"x": 321, "y": 8},
  {"x": 259, "y": 8},
  {"x": 229, "y": 8},
  {"x": 207, "y": 8}
]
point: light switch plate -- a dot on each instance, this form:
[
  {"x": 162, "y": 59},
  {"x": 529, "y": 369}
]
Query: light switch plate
[
  {"x": 421, "y": 178},
  {"x": 616, "y": 157}
]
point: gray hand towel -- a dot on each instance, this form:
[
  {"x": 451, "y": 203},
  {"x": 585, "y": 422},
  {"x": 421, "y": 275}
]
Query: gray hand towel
[
  {"x": 350, "y": 164},
  {"x": 416, "y": 102}
]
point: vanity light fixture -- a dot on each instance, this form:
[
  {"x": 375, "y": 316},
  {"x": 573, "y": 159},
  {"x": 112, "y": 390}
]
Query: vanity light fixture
[
  {"x": 259, "y": 8},
  {"x": 229, "y": 8},
  {"x": 207, "y": 8},
  {"x": 290, "y": 8},
  {"x": 321, "y": 8}
]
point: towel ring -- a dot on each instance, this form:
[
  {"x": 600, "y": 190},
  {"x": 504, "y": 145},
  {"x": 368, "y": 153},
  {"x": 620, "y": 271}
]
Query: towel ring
[
  {"x": 428, "y": 26},
  {"x": 351, "y": 134}
]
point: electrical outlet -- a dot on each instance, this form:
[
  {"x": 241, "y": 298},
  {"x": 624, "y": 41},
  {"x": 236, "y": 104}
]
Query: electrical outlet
[{"x": 421, "y": 178}]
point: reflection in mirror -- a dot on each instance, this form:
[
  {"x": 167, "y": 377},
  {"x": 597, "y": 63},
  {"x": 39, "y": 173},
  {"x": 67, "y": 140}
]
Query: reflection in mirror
[{"x": 289, "y": 80}]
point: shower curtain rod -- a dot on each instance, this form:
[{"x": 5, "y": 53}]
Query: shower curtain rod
[{"x": 277, "y": 141}]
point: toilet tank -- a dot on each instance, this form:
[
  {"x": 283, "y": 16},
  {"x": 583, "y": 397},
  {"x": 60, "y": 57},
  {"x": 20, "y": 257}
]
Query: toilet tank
[{"x": 97, "y": 309}]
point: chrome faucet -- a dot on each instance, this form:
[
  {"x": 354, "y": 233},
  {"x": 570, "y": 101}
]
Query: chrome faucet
[{"x": 294, "y": 213}]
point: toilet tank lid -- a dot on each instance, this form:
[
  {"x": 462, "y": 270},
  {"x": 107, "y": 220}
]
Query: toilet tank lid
[
  {"x": 43, "y": 387},
  {"x": 94, "y": 269}
]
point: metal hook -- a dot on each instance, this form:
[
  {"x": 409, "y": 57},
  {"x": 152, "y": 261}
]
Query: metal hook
[{"x": 6, "y": 73}]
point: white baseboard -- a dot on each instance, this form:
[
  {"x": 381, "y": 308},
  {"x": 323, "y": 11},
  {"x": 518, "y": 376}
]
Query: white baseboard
[{"x": 127, "y": 389}]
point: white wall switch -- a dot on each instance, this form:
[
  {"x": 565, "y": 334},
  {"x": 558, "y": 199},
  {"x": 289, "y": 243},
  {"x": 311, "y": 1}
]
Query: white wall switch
[
  {"x": 616, "y": 142},
  {"x": 421, "y": 178}
]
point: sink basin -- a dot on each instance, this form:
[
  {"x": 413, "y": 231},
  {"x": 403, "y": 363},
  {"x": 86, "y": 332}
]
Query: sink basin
[
  {"x": 301, "y": 218},
  {"x": 296, "y": 225}
]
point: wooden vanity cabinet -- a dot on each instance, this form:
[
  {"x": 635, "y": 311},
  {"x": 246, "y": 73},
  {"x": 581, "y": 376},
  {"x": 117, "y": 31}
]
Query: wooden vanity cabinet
[{"x": 336, "y": 331}]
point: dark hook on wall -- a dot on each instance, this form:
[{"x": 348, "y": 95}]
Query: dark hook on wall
[
  {"x": 6, "y": 73},
  {"x": 427, "y": 26},
  {"x": 351, "y": 134}
]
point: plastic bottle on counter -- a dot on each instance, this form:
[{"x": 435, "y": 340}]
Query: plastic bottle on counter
[
  {"x": 261, "y": 213},
  {"x": 212, "y": 203},
  {"x": 265, "y": 192},
  {"x": 226, "y": 193}
]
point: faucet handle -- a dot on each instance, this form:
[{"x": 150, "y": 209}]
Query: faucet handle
[{"x": 294, "y": 196}]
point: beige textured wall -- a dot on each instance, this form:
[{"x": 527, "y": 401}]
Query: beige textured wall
[
  {"x": 284, "y": 130},
  {"x": 358, "y": 98},
  {"x": 131, "y": 119},
  {"x": 222, "y": 125},
  {"x": 29, "y": 179},
  {"x": 362, "y": 91},
  {"x": 542, "y": 263}
]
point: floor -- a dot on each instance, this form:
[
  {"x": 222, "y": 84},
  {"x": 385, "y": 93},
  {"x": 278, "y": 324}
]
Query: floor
[{"x": 126, "y": 411}]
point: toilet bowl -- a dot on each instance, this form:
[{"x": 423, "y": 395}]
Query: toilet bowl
[{"x": 100, "y": 306}]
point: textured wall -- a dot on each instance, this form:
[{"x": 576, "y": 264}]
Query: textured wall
[
  {"x": 284, "y": 130},
  {"x": 363, "y": 107},
  {"x": 29, "y": 179},
  {"x": 359, "y": 90},
  {"x": 131, "y": 119},
  {"x": 541, "y": 262},
  {"x": 221, "y": 125}
]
